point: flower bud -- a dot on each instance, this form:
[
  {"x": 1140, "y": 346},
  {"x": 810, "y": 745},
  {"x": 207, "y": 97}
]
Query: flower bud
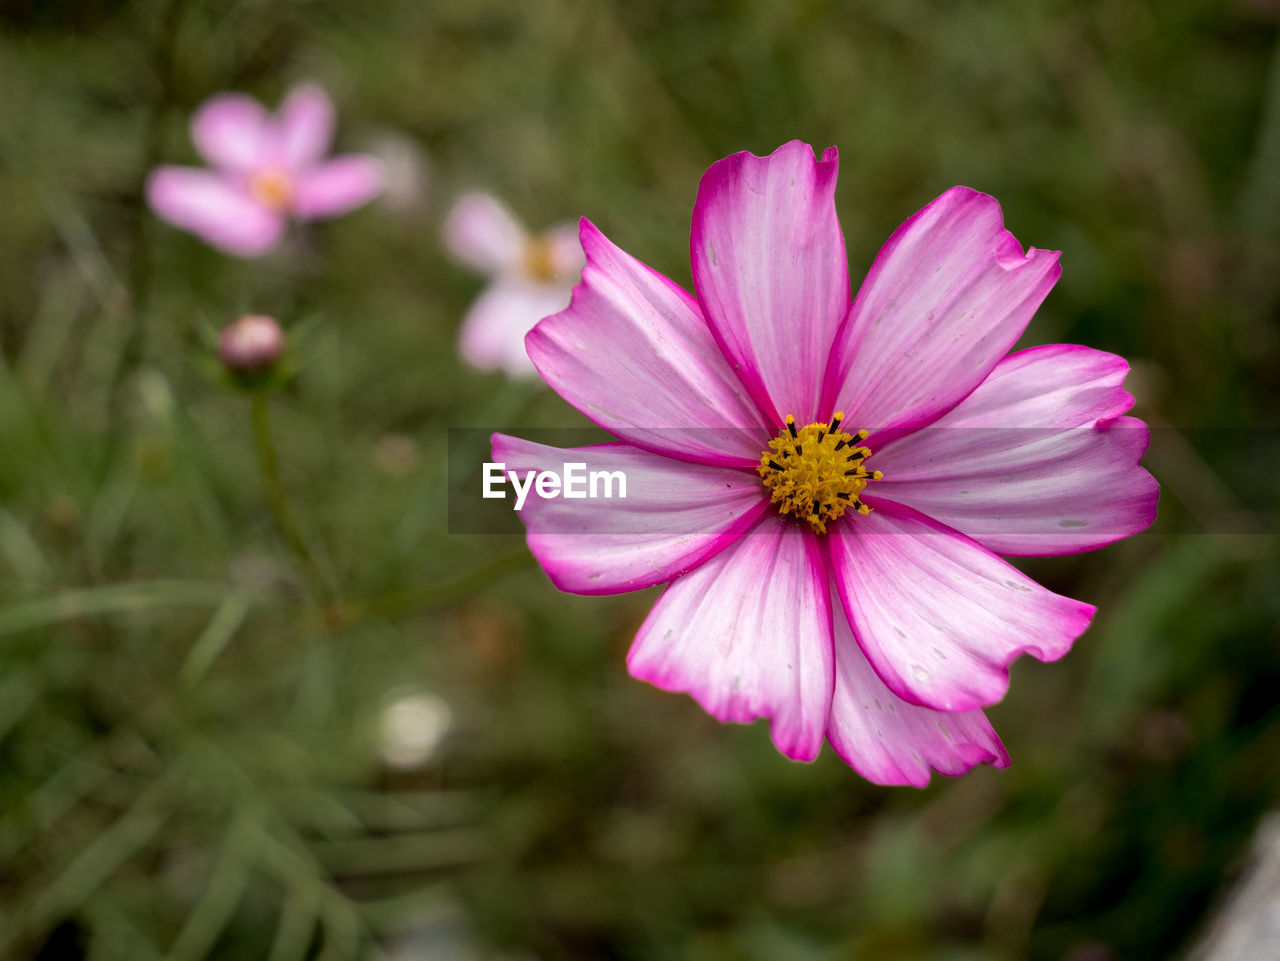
[{"x": 251, "y": 344}]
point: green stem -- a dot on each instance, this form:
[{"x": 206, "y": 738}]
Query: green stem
[{"x": 286, "y": 523}]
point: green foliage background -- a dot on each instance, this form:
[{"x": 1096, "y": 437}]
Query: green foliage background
[{"x": 188, "y": 740}]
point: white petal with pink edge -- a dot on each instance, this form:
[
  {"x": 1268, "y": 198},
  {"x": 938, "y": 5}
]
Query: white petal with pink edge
[
  {"x": 493, "y": 330},
  {"x": 633, "y": 353},
  {"x": 480, "y": 232},
  {"x": 940, "y": 617},
  {"x": 891, "y": 741},
  {"x": 336, "y": 186},
  {"x": 234, "y": 132},
  {"x": 304, "y": 126},
  {"x": 748, "y": 635},
  {"x": 948, "y": 295},
  {"x": 1037, "y": 460},
  {"x": 770, "y": 270},
  {"x": 215, "y": 208},
  {"x": 674, "y": 516}
]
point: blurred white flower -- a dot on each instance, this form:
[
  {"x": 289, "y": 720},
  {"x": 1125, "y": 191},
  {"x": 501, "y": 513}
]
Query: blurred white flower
[
  {"x": 411, "y": 729},
  {"x": 406, "y": 172},
  {"x": 532, "y": 276}
]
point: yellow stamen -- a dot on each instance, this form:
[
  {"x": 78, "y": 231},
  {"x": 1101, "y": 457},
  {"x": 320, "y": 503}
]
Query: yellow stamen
[
  {"x": 816, "y": 473},
  {"x": 273, "y": 188}
]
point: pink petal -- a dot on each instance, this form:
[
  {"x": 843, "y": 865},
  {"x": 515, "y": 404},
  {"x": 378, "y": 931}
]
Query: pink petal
[
  {"x": 336, "y": 186},
  {"x": 748, "y": 635},
  {"x": 482, "y": 233},
  {"x": 304, "y": 126},
  {"x": 891, "y": 741},
  {"x": 492, "y": 333},
  {"x": 939, "y": 617},
  {"x": 1037, "y": 460},
  {"x": 633, "y": 353},
  {"x": 673, "y": 518},
  {"x": 215, "y": 208},
  {"x": 770, "y": 270},
  {"x": 233, "y": 132},
  {"x": 946, "y": 298}
]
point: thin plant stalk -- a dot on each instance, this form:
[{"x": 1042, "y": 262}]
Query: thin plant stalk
[{"x": 285, "y": 521}]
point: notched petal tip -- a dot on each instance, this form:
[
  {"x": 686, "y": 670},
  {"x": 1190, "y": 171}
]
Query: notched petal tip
[
  {"x": 593, "y": 240},
  {"x": 1009, "y": 255},
  {"x": 748, "y": 165},
  {"x": 1007, "y": 249}
]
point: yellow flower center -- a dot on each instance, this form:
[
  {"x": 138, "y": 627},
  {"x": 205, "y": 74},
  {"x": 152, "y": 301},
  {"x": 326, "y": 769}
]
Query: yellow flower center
[
  {"x": 815, "y": 473},
  {"x": 273, "y": 188},
  {"x": 540, "y": 260}
]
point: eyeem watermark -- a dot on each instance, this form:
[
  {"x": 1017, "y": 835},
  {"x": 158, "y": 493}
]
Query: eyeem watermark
[{"x": 574, "y": 482}]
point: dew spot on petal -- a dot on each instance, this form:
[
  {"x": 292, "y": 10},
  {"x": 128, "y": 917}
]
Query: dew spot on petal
[
  {"x": 1015, "y": 586},
  {"x": 1073, "y": 523},
  {"x": 920, "y": 674}
]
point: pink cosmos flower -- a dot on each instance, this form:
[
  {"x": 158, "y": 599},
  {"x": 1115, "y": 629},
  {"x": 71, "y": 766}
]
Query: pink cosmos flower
[
  {"x": 530, "y": 277},
  {"x": 265, "y": 169},
  {"x": 844, "y": 584}
]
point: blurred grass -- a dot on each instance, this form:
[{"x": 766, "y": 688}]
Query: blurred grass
[{"x": 188, "y": 747}]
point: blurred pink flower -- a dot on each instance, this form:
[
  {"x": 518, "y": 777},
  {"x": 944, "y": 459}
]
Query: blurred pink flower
[
  {"x": 265, "y": 169},
  {"x": 530, "y": 277},
  {"x": 840, "y": 577}
]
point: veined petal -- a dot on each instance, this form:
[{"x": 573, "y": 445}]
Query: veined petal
[
  {"x": 483, "y": 234},
  {"x": 891, "y": 741},
  {"x": 215, "y": 208},
  {"x": 1037, "y": 460},
  {"x": 770, "y": 270},
  {"x": 948, "y": 295},
  {"x": 492, "y": 333},
  {"x": 940, "y": 617},
  {"x": 336, "y": 186},
  {"x": 233, "y": 131},
  {"x": 633, "y": 353},
  {"x": 304, "y": 126},
  {"x": 670, "y": 517},
  {"x": 748, "y": 635}
]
